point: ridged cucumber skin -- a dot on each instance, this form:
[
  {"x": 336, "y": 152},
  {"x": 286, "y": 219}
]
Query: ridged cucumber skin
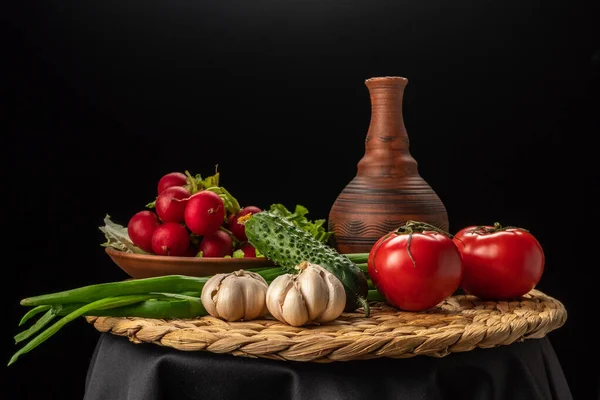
[{"x": 287, "y": 246}]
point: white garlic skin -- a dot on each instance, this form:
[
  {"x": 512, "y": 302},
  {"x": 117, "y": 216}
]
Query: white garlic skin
[
  {"x": 239, "y": 295},
  {"x": 314, "y": 295}
]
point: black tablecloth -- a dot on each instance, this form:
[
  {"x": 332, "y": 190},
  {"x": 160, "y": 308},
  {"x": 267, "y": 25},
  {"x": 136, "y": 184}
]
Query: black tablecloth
[{"x": 122, "y": 370}]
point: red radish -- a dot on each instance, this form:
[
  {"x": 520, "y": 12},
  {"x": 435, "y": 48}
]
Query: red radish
[
  {"x": 249, "y": 250},
  {"x": 170, "y": 239},
  {"x": 238, "y": 230},
  {"x": 191, "y": 251},
  {"x": 218, "y": 244},
  {"x": 170, "y": 204},
  {"x": 140, "y": 229},
  {"x": 204, "y": 213},
  {"x": 171, "y": 179}
]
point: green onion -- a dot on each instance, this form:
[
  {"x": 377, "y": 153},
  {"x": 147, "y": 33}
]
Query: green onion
[
  {"x": 374, "y": 295},
  {"x": 168, "y": 283},
  {"x": 164, "y": 297},
  {"x": 103, "y": 303},
  {"x": 33, "y": 312},
  {"x": 91, "y": 293},
  {"x": 358, "y": 258},
  {"x": 363, "y": 267},
  {"x": 40, "y": 323}
]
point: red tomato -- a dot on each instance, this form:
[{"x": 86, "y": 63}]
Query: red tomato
[
  {"x": 414, "y": 284},
  {"x": 499, "y": 263}
]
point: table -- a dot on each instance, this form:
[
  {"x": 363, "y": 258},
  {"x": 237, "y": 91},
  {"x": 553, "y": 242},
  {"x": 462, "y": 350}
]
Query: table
[{"x": 120, "y": 370}]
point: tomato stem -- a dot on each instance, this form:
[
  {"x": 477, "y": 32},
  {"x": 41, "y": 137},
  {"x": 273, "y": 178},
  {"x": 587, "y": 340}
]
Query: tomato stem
[
  {"x": 484, "y": 230},
  {"x": 408, "y": 248},
  {"x": 411, "y": 227}
]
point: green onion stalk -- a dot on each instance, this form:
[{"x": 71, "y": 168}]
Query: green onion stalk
[
  {"x": 360, "y": 259},
  {"x": 164, "y": 297}
]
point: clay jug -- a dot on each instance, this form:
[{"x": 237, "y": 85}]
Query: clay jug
[{"x": 387, "y": 189}]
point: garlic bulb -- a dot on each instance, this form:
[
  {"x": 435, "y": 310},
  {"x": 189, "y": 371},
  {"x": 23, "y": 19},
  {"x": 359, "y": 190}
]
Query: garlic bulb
[
  {"x": 312, "y": 295},
  {"x": 235, "y": 296}
]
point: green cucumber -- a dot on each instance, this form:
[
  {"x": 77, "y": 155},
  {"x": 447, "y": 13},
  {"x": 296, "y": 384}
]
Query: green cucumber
[{"x": 287, "y": 246}]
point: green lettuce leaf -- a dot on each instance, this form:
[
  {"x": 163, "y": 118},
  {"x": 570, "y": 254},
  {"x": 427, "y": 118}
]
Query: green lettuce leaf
[{"x": 298, "y": 217}]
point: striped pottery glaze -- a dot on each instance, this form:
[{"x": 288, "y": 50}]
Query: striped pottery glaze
[{"x": 387, "y": 190}]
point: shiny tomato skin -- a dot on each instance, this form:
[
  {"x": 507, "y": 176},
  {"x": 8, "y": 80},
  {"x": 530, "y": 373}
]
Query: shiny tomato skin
[
  {"x": 370, "y": 261},
  {"x": 435, "y": 274},
  {"x": 501, "y": 265}
]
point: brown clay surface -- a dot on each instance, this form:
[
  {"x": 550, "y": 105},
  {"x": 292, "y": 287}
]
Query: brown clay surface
[{"x": 387, "y": 190}]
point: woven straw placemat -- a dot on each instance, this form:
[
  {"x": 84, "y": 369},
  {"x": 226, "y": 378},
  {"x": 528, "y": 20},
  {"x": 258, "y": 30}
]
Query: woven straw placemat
[{"x": 460, "y": 323}]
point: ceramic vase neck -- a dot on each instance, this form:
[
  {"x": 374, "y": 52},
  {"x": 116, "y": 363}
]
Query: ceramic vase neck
[{"x": 387, "y": 145}]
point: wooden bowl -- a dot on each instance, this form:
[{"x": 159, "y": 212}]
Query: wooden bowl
[{"x": 148, "y": 265}]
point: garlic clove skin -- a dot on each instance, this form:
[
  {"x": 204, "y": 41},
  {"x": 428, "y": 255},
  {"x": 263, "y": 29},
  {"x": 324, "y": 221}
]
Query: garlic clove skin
[
  {"x": 209, "y": 290},
  {"x": 314, "y": 291},
  {"x": 276, "y": 295},
  {"x": 312, "y": 295},
  {"x": 235, "y": 296},
  {"x": 254, "y": 306},
  {"x": 229, "y": 300},
  {"x": 294, "y": 310},
  {"x": 337, "y": 299}
]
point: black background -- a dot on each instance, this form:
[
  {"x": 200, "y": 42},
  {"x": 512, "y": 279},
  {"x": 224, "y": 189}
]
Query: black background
[{"x": 106, "y": 97}]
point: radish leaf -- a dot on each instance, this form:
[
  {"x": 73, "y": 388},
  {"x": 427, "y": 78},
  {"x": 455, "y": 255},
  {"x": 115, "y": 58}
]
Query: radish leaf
[
  {"x": 231, "y": 204},
  {"x": 117, "y": 237},
  {"x": 238, "y": 253}
]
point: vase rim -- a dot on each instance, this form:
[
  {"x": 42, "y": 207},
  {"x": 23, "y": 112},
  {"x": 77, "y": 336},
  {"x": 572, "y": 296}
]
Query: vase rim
[{"x": 387, "y": 79}]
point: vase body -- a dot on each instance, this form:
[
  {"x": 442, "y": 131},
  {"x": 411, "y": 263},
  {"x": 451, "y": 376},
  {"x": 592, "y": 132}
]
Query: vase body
[{"x": 387, "y": 190}]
